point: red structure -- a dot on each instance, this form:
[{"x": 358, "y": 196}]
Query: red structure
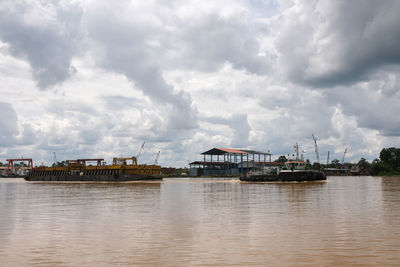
[{"x": 11, "y": 163}]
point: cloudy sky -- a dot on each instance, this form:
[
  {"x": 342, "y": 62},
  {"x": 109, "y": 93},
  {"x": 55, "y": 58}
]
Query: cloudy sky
[{"x": 98, "y": 78}]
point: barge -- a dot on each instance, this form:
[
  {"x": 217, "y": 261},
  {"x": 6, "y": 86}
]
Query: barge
[{"x": 121, "y": 170}]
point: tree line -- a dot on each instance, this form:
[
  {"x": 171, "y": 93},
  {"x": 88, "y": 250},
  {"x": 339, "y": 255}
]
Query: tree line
[{"x": 387, "y": 164}]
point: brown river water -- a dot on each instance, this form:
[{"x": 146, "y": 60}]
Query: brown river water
[{"x": 345, "y": 221}]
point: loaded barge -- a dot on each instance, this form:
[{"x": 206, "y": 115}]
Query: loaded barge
[{"x": 122, "y": 170}]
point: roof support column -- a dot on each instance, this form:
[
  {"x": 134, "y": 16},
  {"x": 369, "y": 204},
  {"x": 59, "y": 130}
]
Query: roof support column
[
  {"x": 247, "y": 163},
  {"x": 235, "y": 160},
  {"x": 229, "y": 162},
  {"x": 204, "y": 163},
  {"x": 241, "y": 165}
]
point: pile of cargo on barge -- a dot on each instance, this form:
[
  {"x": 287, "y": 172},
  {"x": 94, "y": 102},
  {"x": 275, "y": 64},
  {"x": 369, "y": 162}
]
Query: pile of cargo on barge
[{"x": 122, "y": 170}]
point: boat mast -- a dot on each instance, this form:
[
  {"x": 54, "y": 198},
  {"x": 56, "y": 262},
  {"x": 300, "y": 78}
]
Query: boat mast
[{"x": 296, "y": 148}]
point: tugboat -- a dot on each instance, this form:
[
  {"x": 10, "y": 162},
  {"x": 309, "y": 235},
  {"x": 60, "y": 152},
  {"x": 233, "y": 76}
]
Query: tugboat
[
  {"x": 293, "y": 171},
  {"x": 122, "y": 170}
]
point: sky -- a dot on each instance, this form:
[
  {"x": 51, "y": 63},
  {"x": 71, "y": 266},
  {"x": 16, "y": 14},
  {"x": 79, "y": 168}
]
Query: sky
[{"x": 96, "y": 79}]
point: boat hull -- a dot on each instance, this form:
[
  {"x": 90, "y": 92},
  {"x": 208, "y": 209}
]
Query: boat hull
[
  {"x": 94, "y": 178},
  {"x": 289, "y": 176}
]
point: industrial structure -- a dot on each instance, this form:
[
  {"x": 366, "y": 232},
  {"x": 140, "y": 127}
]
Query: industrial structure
[
  {"x": 16, "y": 167},
  {"x": 229, "y": 162}
]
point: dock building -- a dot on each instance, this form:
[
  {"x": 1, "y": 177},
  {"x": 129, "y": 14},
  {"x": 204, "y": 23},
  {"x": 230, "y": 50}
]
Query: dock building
[{"x": 229, "y": 162}]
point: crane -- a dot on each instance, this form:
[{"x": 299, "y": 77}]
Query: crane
[
  {"x": 316, "y": 147},
  {"x": 156, "y": 160},
  {"x": 344, "y": 155},
  {"x": 140, "y": 151},
  {"x": 327, "y": 160}
]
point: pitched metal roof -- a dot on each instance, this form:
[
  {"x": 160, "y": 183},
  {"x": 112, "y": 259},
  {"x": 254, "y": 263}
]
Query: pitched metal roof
[{"x": 222, "y": 151}]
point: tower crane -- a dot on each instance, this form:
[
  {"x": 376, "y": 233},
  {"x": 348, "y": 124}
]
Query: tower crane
[
  {"x": 156, "y": 160},
  {"x": 344, "y": 155},
  {"x": 140, "y": 151},
  {"x": 316, "y": 147}
]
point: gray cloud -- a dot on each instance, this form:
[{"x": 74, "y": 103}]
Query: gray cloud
[
  {"x": 329, "y": 43},
  {"x": 8, "y": 124},
  {"x": 375, "y": 106},
  {"x": 124, "y": 49},
  {"x": 118, "y": 102},
  {"x": 239, "y": 125},
  {"x": 207, "y": 41},
  {"x": 45, "y": 34}
]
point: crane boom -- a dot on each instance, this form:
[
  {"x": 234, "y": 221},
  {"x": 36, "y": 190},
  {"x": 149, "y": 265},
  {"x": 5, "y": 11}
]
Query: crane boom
[
  {"x": 344, "y": 155},
  {"x": 156, "y": 160},
  {"x": 140, "y": 150},
  {"x": 327, "y": 160},
  {"x": 316, "y": 147}
]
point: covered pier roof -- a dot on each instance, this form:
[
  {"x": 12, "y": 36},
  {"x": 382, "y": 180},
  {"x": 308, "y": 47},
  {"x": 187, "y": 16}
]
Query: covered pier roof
[{"x": 223, "y": 151}]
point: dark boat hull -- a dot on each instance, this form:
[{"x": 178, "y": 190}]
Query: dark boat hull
[
  {"x": 295, "y": 176},
  {"x": 94, "y": 178}
]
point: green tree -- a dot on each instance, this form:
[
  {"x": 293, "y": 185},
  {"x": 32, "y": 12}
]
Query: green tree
[
  {"x": 383, "y": 167},
  {"x": 281, "y": 159},
  {"x": 391, "y": 156},
  {"x": 379, "y": 168},
  {"x": 59, "y": 164},
  {"x": 363, "y": 164},
  {"x": 335, "y": 162},
  {"x": 62, "y": 163}
]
